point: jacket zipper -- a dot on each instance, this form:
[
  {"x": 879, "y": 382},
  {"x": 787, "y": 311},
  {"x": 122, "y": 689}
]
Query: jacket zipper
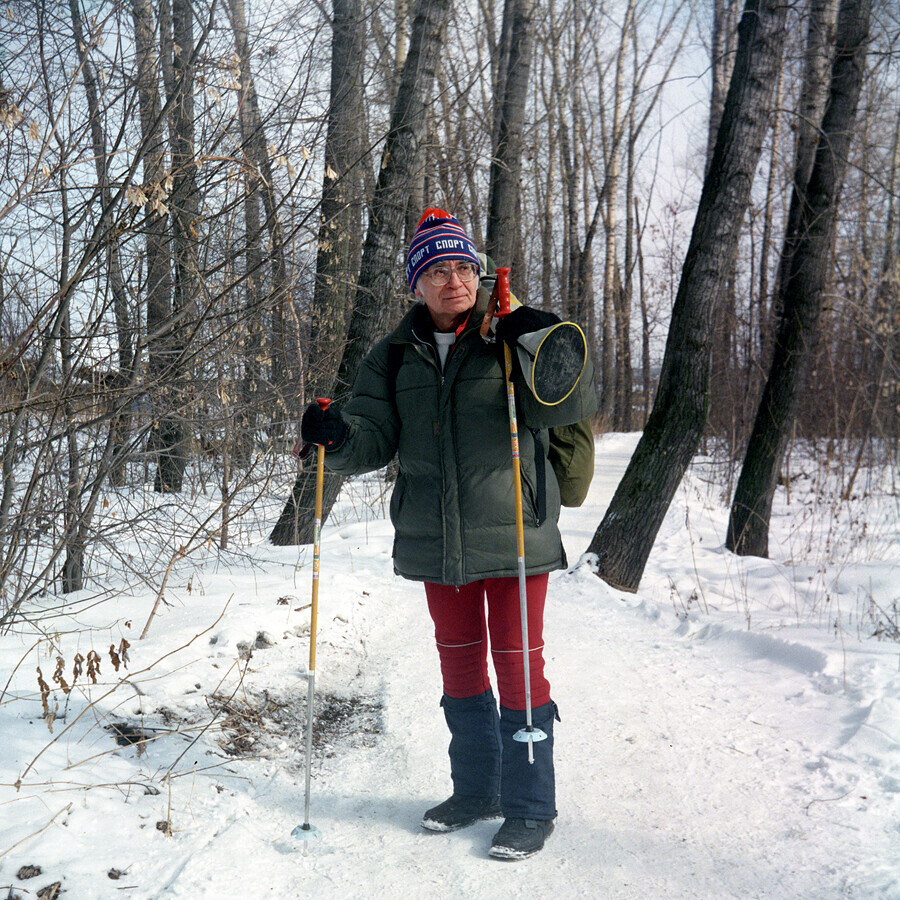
[{"x": 427, "y": 351}]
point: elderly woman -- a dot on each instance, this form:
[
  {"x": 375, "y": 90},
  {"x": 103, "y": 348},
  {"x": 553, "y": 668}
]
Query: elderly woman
[{"x": 434, "y": 393}]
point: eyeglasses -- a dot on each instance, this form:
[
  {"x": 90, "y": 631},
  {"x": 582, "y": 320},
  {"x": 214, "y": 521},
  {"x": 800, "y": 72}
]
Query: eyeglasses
[{"x": 441, "y": 275}]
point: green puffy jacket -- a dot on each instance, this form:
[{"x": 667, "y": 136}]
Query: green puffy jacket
[{"x": 452, "y": 507}]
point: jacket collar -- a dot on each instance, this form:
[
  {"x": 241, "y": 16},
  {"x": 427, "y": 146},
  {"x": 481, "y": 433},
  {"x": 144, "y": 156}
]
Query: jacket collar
[{"x": 417, "y": 327}]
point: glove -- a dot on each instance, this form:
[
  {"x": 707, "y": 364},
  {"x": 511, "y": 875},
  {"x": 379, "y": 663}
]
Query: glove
[
  {"x": 325, "y": 427},
  {"x": 523, "y": 320}
]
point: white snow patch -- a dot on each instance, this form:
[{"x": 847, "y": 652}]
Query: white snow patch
[{"x": 732, "y": 730}]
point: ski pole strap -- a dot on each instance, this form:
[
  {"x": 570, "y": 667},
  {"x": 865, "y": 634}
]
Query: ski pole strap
[
  {"x": 540, "y": 475},
  {"x": 485, "y": 328},
  {"x": 499, "y": 304}
]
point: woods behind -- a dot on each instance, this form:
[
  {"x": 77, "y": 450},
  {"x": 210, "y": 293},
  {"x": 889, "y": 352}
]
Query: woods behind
[{"x": 204, "y": 208}]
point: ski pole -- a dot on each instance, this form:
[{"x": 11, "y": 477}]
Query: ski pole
[
  {"x": 529, "y": 734},
  {"x": 306, "y": 831}
]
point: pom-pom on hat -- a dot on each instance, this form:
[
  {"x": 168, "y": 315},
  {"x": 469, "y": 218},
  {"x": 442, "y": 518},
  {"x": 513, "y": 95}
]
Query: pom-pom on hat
[{"x": 438, "y": 237}]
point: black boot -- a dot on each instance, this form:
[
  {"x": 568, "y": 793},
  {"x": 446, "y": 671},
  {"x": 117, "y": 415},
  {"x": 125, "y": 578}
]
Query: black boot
[
  {"x": 460, "y": 812},
  {"x": 520, "y": 838},
  {"x": 528, "y": 790},
  {"x": 474, "y": 763}
]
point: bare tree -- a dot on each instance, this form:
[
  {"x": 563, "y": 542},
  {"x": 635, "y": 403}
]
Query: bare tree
[
  {"x": 340, "y": 228},
  {"x": 379, "y": 267},
  {"x": 185, "y": 206},
  {"x": 813, "y": 96},
  {"x": 724, "y": 36},
  {"x": 148, "y": 37},
  {"x": 502, "y": 239},
  {"x": 807, "y": 248},
  {"x": 237, "y": 243},
  {"x": 124, "y": 326},
  {"x": 250, "y": 323},
  {"x": 625, "y": 537},
  {"x": 615, "y": 330},
  {"x": 882, "y": 368}
]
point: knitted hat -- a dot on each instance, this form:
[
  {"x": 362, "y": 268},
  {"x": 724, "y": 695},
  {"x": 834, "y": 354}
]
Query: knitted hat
[{"x": 438, "y": 237}]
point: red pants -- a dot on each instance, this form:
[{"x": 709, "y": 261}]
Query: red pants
[{"x": 461, "y": 630}]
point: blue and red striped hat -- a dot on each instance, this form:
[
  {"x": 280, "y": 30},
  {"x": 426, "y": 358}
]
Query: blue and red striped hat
[{"x": 439, "y": 236}]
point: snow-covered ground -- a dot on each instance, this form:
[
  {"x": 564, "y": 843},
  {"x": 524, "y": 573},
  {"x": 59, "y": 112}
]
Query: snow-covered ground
[{"x": 732, "y": 730}]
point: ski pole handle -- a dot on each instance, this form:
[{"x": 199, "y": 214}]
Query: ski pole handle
[
  {"x": 503, "y": 295},
  {"x": 324, "y": 402},
  {"x": 499, "y": 304}
]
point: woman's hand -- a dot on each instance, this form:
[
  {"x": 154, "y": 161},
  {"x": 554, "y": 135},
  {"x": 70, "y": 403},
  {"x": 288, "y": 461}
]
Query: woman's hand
[{"x": 323, "y": 426}]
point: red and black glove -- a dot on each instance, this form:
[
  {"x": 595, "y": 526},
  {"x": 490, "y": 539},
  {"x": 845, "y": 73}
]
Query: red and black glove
[
  {"x": 323, "y": 426},
  {"x": 523, "y": 320}
]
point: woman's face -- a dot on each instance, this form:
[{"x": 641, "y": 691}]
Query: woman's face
[{"x": 448, "y": 304}]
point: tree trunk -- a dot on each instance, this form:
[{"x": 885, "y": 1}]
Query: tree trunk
[
  {"x": 724, "y": 357},
  {"x": 251, "y": 321},
  {"x": 624, "y": 377},
  {"x": 813, "y": 95},
  {"x": 120, "y": 423},
  {"x": 615, "y": 330},
  {"x": 887, "y": 309},
  {"x": 379, "y": 268},
  {"x": 253, "y": 135},
  {"x": 340, "y": 231},
  {"x": 806, "y": 253},
  {"x": 723, "y": 48},
  {"x": 568, "y": 156},
  {"x": 72, "y": 577},
  {"x": 766, "y": 239},
  {"x": 156, "y": 186},
  {"x": 723, "y": 40},
  {"x": 401, "y": 29},
  {"x": 546, "y": 180},
  {"x": 625, "y": 537},
  {"x": 503, "y": 240},
  {"x": 185, "y": 206},
  {"x": 645, "y": 317}
]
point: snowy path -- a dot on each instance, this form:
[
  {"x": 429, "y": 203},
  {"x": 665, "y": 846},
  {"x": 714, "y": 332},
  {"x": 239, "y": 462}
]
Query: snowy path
[
  {"x": 680, "y": 776},
  {"x": 695, "y": 759}
]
